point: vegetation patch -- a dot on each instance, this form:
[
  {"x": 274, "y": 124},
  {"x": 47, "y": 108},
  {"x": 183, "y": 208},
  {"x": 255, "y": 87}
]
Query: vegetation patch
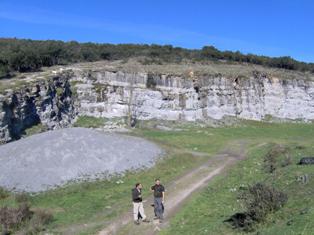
[
  {"x": 39, "y": 222},
  {"x": 4, "y": 193},
  {"x": 99, "y": 87},
  {"x": 104, "y": 200},
  {"x": 34, "y": 129},
  {"x": 204, "y": 214},
  {"x": 89, "y": 122},
  {"x": 150, "y": 82},
  {"x": 74, "y": 88},
  {"x": 31, "y": 55},
  {"x": 59, "y": 91},
  {"x": 12, "y": 218},
  {"x": 22, "y": 197},
  {"x": 22, "y": 219},
  {"x": 259, "y": 200},
  {"x": 277, "y": 156}
]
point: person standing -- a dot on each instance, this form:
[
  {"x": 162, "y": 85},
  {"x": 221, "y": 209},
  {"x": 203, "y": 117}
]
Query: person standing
[
  {"x": 138, "y": 208},
  {"x": 159, "y": 199}
]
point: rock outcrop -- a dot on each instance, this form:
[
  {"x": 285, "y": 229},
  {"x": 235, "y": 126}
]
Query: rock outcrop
[
  {"x": 147, "y": 96},
  {"x": 48, "y": 103},
  {"x": 73, "y": 91}
]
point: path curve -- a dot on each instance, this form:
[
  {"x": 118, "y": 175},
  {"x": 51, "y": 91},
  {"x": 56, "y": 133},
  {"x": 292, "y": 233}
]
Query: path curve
[{"x": 180, "y": 191}]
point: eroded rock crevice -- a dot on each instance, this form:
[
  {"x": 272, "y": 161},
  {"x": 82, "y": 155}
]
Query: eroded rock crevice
[
  {"x": 56, "y": 102},
  {"x": 48, "y": 103}
]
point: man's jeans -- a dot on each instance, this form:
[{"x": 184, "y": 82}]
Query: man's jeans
[{"x": 158, "y": 207}]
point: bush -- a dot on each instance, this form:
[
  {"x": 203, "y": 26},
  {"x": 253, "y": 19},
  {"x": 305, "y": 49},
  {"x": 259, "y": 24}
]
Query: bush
[
  {"x": 150, "y": 82},
  {"x": 259, "y": 200},
  {"x": 277, "y": 156},
  {"x": 4, "y": 193},
  {"x": 12, "y": 218},
  {"x": 42, "y": 217},
  {"x": 24, "y": 220},
  {"x": 38, "y": 222},
  {"x": 21, "y": 198}
]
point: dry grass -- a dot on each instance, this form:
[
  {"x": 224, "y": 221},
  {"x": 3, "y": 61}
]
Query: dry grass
[
  {"x": 136, "y": 65},
  {"x": 226, "y": 69}
]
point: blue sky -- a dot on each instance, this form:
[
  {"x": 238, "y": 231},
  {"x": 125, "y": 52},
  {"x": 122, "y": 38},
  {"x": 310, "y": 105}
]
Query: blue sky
[{"x": 273, "y": 28}]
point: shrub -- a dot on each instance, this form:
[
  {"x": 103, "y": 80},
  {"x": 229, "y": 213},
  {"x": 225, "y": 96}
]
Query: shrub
[
  {"x": 38, "y": 222},
  {"x": 13, "y": 218},
  {"x": 24, "y": 220},
  {"x": 259, "y": 200},
  {"x": 21, "y": 198},
  {"x": 3, "y": 193},
  {"x": 150, "y": 82},
  {"x": 273, "y": 158}
]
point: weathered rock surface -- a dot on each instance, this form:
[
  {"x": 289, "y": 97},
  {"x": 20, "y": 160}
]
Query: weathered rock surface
[
  {"x": 306, "y": 161},
  {"x": 110, "y": 93},
  {"x": 49, "y": 159},
  {"x": 152, "y": 96},
  {"x": 47, "y": 102}
]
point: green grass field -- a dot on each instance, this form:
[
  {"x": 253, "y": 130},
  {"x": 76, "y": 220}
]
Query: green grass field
[
  {"x": 83, "y": 207},
  {"x": 205, "y": 213}
]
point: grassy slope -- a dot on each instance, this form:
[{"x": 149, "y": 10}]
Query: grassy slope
[
  {"x": 206, "y": 212},
  {"x": 94, "y": 203},
  {"x": 99, "y": 201}
]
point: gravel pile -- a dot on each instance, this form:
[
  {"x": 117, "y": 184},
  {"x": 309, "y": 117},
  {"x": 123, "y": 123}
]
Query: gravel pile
[{"x": 53, "y": 158}]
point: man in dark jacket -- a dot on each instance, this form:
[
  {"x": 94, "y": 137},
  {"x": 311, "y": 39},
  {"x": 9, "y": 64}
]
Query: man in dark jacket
[
  {"x": 159, "y": 199},
  {"x": 138, "y": 208}
]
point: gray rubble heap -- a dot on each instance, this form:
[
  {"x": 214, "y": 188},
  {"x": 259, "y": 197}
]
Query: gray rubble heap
[{"x": 54, "y": 158}]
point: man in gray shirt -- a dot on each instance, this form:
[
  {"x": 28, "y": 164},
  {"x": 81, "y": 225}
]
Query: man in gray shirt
[{"x": 159, "y": 199}]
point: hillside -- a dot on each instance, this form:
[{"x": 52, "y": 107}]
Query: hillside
[
  {"x": 21, "y": 55},
  {"x": 131, "y": 92},
  {"x": 156, "y": 117},
  {"x": 175, "y": 106}
]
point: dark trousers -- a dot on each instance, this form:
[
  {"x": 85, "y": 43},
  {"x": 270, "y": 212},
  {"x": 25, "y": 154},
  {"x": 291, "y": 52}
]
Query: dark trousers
[{"x": 158, "y": 207}]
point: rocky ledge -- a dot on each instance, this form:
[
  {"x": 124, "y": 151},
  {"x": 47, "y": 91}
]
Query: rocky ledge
[{"x": 112, "y": 92}]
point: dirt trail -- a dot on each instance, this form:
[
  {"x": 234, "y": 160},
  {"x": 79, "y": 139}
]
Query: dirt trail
[{"x": 179, "y": 191}]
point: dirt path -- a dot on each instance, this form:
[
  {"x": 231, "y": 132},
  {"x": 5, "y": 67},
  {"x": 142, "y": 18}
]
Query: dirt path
[{"x": 179, "y": 191}]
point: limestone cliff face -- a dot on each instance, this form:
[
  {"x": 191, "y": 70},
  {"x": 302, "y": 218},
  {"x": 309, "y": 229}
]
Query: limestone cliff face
[
  {"x": 46, "y": 102},
  {"x": 56, "y": 102},
  {"x": 148, "y": 96}
]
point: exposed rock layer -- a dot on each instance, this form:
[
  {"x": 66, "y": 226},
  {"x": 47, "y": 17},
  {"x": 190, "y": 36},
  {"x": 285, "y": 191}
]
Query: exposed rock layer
[
  {"x": 48, "y": 103},
  {"x": 78, "y": 91},
  {"x": 152, "y": 96}
]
